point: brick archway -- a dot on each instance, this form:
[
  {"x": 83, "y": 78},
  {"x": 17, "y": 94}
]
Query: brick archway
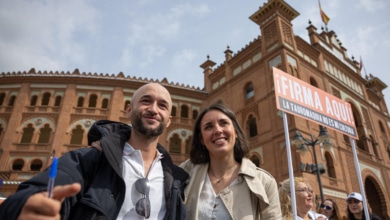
[{"x": 375, "y": 195}]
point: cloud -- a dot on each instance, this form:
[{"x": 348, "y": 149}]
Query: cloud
[
  {"x": 373, "y": 5},
  {"x": 41, "y": 33}
]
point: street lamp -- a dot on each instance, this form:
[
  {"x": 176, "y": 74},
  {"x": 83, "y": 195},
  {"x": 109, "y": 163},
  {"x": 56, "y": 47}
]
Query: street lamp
[{"x": 303, "y": 143}]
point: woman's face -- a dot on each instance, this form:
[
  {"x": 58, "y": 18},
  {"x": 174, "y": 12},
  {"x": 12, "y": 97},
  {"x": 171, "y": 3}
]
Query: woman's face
[
  {"x": 327, "y": 208},
  {"x": 355, "y": 206},
  {"x": 218, "y": 134},
  {"x": 304, "y": 197}
]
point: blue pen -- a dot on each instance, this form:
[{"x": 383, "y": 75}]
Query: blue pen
[{"x": 52, "y": 176}]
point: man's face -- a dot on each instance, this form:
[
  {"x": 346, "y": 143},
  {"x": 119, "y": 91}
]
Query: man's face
[{"x": 150, "y": 110}]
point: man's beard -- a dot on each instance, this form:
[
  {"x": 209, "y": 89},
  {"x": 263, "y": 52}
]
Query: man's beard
[{"x": 136, "y": 122}]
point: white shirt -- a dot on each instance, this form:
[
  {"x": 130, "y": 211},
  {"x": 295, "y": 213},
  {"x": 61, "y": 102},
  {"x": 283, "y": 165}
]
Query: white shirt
[
  {"x": 133, "y": 169},
  {"x": 210, "y": 205},
  {"x": 312, "y": 215}
]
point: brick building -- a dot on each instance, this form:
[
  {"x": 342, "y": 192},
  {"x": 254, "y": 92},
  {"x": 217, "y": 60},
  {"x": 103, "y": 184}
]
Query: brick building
[{"x": 45, "y": 111}]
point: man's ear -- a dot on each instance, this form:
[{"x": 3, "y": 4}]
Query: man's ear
[
  {"x": 128, "y": 109},
  {"x": 169, "y": 121}
]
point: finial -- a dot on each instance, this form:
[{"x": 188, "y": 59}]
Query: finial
[
  {"x": 208, "y": 57},
  {"x": 309, "y": 22}
]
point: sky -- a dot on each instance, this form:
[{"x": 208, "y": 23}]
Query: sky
[{"x": 158, "y": 39}]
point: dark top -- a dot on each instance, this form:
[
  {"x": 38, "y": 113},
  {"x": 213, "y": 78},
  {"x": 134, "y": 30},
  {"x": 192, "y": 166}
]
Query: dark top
[{"x": 100, "y": 174}]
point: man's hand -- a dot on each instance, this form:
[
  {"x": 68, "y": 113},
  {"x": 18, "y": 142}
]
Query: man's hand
[{"x": 40, "y": 207}]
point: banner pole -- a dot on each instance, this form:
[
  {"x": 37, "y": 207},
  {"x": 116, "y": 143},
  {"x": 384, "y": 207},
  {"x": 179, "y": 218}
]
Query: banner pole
[
  {"x": 290, "y": 166},
  {"x": 359, "y": 174}
]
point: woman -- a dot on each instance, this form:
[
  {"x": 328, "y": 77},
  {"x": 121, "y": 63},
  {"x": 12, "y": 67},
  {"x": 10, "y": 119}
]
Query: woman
[
  {"x": 330, "y": 209},
  {"x": 355, "y": 208},
  {"x": 304, "y": 200},
  {"x": 224, "y": 183}
]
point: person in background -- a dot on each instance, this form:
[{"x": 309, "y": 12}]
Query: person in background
[
  {"x": 330, "y": 209},
  {"x": 126, "y": 175},
  {"x": 304, "y": 200},
  {"x": 224, "y": 184},
  {"x": 355, "y": 208}
]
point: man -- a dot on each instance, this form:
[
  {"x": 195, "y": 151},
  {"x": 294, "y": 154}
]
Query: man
[{"x": 116, "y": 178}]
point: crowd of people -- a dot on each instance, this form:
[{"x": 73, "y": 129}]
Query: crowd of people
[{"x": 127, "y": 174}]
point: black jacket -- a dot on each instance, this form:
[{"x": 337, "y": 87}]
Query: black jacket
[{"x": 100, "y": 174}]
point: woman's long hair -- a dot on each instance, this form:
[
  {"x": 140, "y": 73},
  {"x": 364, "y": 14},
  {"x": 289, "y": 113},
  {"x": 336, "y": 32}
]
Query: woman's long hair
[
  {"x": 352, "y": 217},
  {"x": 285, "y": 196}
]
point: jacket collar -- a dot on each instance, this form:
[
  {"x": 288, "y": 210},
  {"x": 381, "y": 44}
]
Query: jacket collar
[{"x": 252, "y": 176}]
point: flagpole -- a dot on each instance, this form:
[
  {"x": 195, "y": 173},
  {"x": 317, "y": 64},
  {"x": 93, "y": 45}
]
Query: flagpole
[
  {"x": 363, "y": 66},
  {"x": 365, "y": 72},
  {"x": 324, "y": 17},
  {"x": 290, "y": 166},
  {"x": 360, "y": 180}
]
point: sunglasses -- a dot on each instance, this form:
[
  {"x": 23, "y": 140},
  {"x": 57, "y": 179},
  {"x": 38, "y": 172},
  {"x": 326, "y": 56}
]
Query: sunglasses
[
  {"x": 326, "y": 207},
  {"x": 142, "y": 207}
]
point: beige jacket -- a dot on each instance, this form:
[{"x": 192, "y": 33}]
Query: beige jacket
[{"x": 263, "y": 188}]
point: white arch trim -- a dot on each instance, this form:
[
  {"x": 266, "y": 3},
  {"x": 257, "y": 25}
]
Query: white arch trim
[
  {"x": 183, "y": 134},
  {"x": 85, "y": 124},
  {"x": 38, "y": 122},
  {"x": 374, "y": 170}
]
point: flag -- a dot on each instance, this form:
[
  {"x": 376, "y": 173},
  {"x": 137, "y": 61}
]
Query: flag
[
  {"x": 324, "y": 17},
  {"x": 361, "y": 63}
]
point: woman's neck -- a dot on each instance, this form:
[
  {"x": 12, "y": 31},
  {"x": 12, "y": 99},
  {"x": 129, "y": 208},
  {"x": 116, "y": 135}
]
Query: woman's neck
[
  {"x": 304, "y": 214},
  {"x": 222, "y": 168},
  {"x": 358, "y": 216}
]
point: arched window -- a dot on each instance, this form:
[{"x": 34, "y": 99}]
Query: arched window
[
  {"x": 255, "y": 159},
  {"x": 105, "y": 103},
  {"x": 173, "y": 111},
  {"x": 346, "y": 139},
  {"x": 194, "y": 114},
  {"x": 80, "y": 101},
  {"x": 249, "y": 92},
  {"x": 175, "y": 144},
  {"x": 58, "y": 101},
  {"x": 2, "y": 97},
  {"x": 28, "y": 133},
  {"x": 252, "y": 126},
  {"x": 17, "y": 164},
  {"x": 359, "y": 127},
  {"x": 44, "y": 136},
  {"x": 11, "y": 101},
  {"x": 184, "y": 111},
  {"x": 126, "y": 104},
  {"x": 33, "y": 100},
  {"x": 330, "y": 166},
  {"x": 313, "y": 82},
  {"x": 374, "y": 145},
  {"x": 77, "y": 135},
  {"x": 382, "y": 128},
  {"x": 1, "y": 130},
  {"x": 92, "y": 101},
  {"x": 36, "y": 165},
  {"x": 45, "y": 99}
]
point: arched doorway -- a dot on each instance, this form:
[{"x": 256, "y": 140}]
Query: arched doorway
[{"x": 375, "y": 198}]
